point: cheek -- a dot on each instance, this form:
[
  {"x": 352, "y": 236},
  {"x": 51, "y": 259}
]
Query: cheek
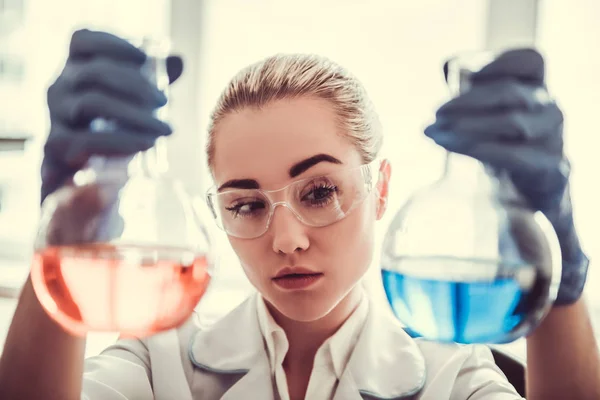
[
  {"x": 249, "y": 252},
  {"x": 351, "y": 241}
]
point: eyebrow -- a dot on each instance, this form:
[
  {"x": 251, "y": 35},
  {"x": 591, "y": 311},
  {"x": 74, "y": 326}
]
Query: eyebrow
[
  {"x": 297, "y": 169},
  {"x": 310, "y": 162}
]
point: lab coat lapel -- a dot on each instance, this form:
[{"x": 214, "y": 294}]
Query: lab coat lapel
[
  {"x": 234, "y": 346},
  {"x": 386, "y": 363},
  {"x": 256, "y": 384},
  {"x": 347, "y": 389}
]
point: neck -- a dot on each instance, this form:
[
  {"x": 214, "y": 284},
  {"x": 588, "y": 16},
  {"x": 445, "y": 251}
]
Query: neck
[{"x": 305, "y": 338}]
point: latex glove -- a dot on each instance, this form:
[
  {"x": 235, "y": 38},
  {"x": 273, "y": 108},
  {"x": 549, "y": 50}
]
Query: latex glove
[
  {"x": 102, "y": 78},
  {"x": 508, "y": 120}
]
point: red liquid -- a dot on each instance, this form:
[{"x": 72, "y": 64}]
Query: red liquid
[
  {"x": 134, "y": 290},
  {"x": 297, "y": 282}
]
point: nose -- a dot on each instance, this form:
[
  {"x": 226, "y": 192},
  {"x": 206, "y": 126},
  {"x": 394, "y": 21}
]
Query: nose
[{"x": 288, "y": 232}]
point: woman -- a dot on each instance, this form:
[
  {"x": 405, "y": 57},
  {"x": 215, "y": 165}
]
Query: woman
[{"x": 298, "y": 132}]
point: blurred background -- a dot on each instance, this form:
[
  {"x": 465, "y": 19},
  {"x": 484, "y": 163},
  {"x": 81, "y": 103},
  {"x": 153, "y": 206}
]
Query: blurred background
[{"x": 396, "y": 48}]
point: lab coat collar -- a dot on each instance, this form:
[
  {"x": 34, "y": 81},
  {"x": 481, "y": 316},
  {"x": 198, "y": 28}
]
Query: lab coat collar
[
  {"x": 232, "y": 346},
  {"x": 386, "y": 363}
]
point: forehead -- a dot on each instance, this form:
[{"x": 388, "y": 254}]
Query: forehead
[{"x": 264, "y": 143}]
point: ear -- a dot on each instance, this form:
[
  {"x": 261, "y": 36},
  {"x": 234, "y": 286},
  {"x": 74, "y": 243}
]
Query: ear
[{"x": 385, "y": 172}]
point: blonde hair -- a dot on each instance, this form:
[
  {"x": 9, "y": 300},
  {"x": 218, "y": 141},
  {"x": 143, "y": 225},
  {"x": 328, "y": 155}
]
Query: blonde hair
[{"x": 286, "y": 76}]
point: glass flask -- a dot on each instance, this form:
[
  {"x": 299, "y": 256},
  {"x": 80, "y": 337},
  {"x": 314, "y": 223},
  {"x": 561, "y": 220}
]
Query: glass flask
[
  {"x": 466, "y": 259},
  {"x": 121, "y": 248}
]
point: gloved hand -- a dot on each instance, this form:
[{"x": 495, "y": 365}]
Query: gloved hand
[
  {"x": 102, "y": 78},
  {"x": 508, "y": 121}
]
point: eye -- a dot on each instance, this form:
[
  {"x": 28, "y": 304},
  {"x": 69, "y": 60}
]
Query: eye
[
  {"x": 246, "y": 208},
  {"x": 320, "y": 194}
]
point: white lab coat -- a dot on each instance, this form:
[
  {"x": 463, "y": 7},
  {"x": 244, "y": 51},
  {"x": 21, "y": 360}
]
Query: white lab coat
[{"x": 228, "y": 361}]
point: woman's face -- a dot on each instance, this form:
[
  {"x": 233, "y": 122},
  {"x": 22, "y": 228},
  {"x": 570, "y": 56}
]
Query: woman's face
[{"x": 264, "y": 145}]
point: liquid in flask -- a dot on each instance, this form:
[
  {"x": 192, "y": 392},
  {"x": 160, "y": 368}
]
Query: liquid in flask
[
  {"x": 466, "y": 259},
  {"x": 121, "y": 247}
]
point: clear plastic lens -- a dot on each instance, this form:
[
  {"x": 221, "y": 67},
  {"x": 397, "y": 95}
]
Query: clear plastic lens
[{"x": 316, "y": 201}]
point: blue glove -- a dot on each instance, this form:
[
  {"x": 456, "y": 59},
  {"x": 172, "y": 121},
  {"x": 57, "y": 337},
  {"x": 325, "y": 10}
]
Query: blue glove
[
  {"x": 102, "y": 78},
  {"x": 508, "y": 121}
]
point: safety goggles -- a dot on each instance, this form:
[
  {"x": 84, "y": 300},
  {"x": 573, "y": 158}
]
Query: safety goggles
[{"x": 316, "y": 201}]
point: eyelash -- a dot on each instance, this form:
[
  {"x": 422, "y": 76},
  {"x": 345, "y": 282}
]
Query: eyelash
[
  {"x": 236, "y": 209},
  {"x": 237, "y": 212},
  {"x": 331, "y": 189}
]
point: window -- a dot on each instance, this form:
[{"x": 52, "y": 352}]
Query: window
[{"x": 11, "y": 14}]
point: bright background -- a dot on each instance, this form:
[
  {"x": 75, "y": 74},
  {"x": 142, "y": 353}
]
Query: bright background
[{"x": 396, "y": 48}]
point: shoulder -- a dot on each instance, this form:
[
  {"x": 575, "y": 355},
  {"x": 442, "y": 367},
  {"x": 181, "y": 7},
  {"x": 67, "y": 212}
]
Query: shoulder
[
  {"x": 468, "y": 371},
  {"x": 142, "y": 367},
  {"x": 438, "y": 355}
]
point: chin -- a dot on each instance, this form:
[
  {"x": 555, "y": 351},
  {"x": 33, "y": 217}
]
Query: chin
[
  {"x": 303, "y": 307},
  {"x": 307, "y": 306}
]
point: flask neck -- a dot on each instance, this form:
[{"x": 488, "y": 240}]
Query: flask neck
[
  {"x": 476, "y": 178},
  {"x": 152, "y": 162},
  {"x": 470, "y": 172}
]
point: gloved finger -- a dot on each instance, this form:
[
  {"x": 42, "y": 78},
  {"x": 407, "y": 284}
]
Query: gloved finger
[
  {"x": 174, "y": 67},
  {"x": 551, "y": 146},
  {"x": 505, "y": 94},
  {"x": 74, "y": 149},
  {"x": 119, "y": 79},
  {"x": 508, "y": 126},
  {"x": 86, "y": 44},
  {"x": 525, "y": 65},
  {"x": 79, "y": 109}
]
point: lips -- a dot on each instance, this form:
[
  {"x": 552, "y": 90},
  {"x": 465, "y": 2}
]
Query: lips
[
  {"x": 287, "y": 271},
  {"x": 296, "y": 278}
]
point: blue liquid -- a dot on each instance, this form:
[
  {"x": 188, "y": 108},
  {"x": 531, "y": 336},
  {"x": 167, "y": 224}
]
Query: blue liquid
[{"x": 483, "y": 311}]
